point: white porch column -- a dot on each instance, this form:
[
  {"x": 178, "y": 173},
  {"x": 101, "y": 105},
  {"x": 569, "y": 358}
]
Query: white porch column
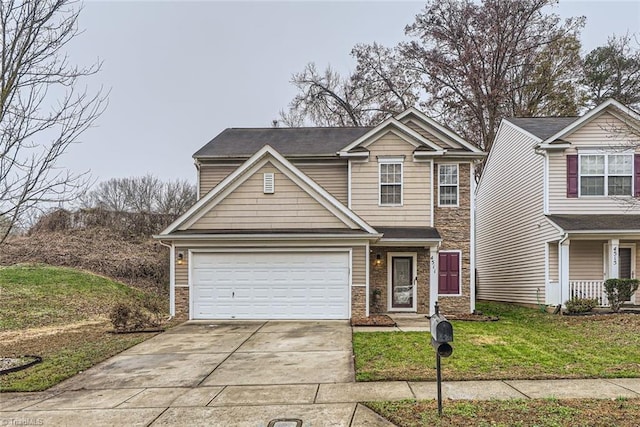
[
  {"x": 614, "y": 264},
  {"x": 433, "y": 279},
  {"x": 172, "y": 280},
  {"x": 564, "y": 271}
]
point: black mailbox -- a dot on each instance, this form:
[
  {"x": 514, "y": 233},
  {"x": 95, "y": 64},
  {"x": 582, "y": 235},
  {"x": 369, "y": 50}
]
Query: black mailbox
[
  {"x": 442, "y": 335},
  {"x": 441, "y": 329}
]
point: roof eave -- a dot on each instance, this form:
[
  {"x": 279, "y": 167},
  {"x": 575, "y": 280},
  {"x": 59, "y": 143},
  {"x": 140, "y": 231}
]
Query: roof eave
[
  {"x": 269, "y": 236},
  {"x": 552, "y": 146},
  {"x": 408, "y": 242}
]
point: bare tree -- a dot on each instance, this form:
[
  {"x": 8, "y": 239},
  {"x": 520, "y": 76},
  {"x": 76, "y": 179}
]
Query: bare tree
[
  {"x": 143, "y": 194},
  {"x": 326, "y": 98},
  {"x": 379, "y": 87},
  {"x": 482, "y": 62},
  {"x": 468, "y": 64},
  {"x": 43, "y": 109},
  {"x": 176, "y": 197}
]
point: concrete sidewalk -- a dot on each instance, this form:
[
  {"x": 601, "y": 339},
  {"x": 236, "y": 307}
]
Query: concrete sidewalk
[{"x": 255, "y": 405}]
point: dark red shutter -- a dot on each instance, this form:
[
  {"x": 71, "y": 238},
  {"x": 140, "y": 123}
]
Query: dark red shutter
[
  {"x": 636, "y": 174},
  {"x": 572, "y": 175},
  {"x": 449, "y": 273}
]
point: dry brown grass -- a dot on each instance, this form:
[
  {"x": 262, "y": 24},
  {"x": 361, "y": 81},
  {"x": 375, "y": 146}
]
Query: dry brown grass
[{"x": 140, "y": 262}]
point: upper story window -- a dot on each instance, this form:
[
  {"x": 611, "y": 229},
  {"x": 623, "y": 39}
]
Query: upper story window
[
  {"x": 390, "y": 182},
  {"x": 448, "y": 185},
  {"x": 606, "y": 174}
]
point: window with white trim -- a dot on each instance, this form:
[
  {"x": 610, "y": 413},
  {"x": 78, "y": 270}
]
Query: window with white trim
[
  {"x": 606, "y": 174},
  {"x": 448, "y": 185},
  {"x": 390, "y": 183}
]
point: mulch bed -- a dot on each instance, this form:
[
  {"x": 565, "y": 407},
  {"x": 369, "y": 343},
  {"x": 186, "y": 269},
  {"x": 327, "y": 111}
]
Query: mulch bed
[{"x": 373, "y": 320}]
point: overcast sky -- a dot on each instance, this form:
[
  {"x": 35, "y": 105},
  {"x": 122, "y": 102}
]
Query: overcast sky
[{"x": 181, "y": 72}]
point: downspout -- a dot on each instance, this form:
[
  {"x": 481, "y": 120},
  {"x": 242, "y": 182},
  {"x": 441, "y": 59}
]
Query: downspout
[
  {"x": 171, "y": 276},
  {"x": 560, "y": 270}
]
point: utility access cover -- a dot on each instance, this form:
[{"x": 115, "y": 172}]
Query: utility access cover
[{"x": 285, "y": 422}]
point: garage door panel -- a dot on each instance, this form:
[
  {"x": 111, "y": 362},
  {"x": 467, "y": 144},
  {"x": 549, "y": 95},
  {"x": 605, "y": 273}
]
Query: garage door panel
[{"x": 278, "y": 285}]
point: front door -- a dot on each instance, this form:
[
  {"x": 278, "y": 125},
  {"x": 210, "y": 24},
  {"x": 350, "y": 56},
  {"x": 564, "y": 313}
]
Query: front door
[
  {"x": 402, "y": 282},
  {"x": 625, "y": 262}
]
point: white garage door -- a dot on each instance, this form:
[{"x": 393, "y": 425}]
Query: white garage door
[{"x": 270, "y": 285}]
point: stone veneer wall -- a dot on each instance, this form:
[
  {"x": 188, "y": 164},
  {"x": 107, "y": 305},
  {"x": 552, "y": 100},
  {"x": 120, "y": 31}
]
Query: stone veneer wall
[
  {"x": 182, "y": 303},
  {"x": 358, "y": 301},
  {"x": 454, "y": 225},
  {"x": 378, "y": 279}
]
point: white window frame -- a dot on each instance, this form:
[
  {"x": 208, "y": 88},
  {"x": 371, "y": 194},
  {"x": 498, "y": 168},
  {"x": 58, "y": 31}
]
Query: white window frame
[
  {"x": 440, "y": 185},
  {"x": 390, "y": 161},
  {"x": 606, "y": 172}
]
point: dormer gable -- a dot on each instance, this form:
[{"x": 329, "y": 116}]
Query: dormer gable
[{"x": 357, "y": 148}]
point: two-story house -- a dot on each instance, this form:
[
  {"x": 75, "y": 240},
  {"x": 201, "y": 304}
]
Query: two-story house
[
  {"x": 557, "y": 207},
  {"x": 327, "y": 223}
]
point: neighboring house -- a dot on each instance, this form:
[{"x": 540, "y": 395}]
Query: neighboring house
[
  {"x": 327, "y": 223},
  {"x": 557, "y": 207}
]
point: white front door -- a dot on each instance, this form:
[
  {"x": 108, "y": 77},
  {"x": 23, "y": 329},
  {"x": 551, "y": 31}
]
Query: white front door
[
  {"x": 402, "y": 280},
  {"x": 270, "y": 285},
  {"x": 626, "y": 261}
]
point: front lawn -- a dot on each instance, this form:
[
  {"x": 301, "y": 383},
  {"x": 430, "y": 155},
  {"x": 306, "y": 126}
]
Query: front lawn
[
  {"x": 508, "y": 413},
  {"x": 524, "y": 344},
  {"x": 59, "y": 314}
]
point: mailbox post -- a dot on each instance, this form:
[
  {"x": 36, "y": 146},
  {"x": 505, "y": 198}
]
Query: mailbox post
[{"x": 441, "y": 336}]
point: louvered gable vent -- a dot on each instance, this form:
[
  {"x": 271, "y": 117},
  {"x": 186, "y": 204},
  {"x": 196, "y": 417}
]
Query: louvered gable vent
[{"x": 269, "y": 183}]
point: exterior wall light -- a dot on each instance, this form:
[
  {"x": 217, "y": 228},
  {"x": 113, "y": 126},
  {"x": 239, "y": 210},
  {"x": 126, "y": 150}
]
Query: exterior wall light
[
  {"x": 180, "y": 258},
  {"x": 378, "y": 259}
]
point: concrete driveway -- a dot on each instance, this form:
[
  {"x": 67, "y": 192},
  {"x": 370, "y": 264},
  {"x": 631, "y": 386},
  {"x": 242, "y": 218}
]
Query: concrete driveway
[{"x": 212, "y": 373}]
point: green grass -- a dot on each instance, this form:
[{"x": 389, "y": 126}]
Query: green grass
[
  {"x": 508, "y": 413},
  {"x": 59, "y": 314},
  {"x": 523, "y": 344},
  {"x": 38, "y": 295}
]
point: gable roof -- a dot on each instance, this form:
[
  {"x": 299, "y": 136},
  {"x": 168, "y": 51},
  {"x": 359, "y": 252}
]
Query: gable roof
[
  {"x": 542, "y": 127},
  {"x": 438, "y": 130},
  {"x": 242, "y": 173},
  {"x": 404, "y": 131},
  {"x": 610, "y": 105},
  {"x": 244, "y": 142}
]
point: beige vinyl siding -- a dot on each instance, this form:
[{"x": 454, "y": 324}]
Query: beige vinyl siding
[
  {"x": 247, "y": 207},
  {"x": 554, "y": 275},
  {"x": 511, "y": 229},
  {"x": 330, "y": 176},
  {"x": 599, "y": 133},
  {"x": 182, "y": 270},
  {"x": 211, "y": 174},
  {"x": 359, "y": 266},
  {"x": 604, "y": 131},
  {"x": 559, "y": 203},
  {"x": 427, "y": 135},
  {"x": 415, "y": 210},
  {"x": 586, "y": 260}
]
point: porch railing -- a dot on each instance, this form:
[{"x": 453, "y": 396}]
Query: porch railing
[{"x": 589, "y": 289}]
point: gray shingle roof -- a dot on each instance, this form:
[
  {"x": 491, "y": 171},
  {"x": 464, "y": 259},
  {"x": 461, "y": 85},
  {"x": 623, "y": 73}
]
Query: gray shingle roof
[
  {"x": 408, "y": 232},
  {"x": 542, "y": 127},
  {"x": 244, "y": 142},
  {"x": 597, "y": 222}
]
